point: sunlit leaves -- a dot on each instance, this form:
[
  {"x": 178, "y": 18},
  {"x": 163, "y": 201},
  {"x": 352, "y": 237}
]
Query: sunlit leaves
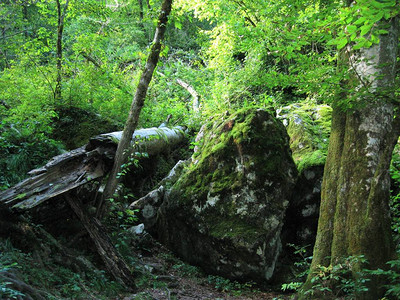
[{"x": 362, "y": 23}]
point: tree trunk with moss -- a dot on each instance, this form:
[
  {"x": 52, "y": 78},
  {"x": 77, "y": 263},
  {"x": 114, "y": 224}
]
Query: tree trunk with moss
[{"x": 354, "y": 214}]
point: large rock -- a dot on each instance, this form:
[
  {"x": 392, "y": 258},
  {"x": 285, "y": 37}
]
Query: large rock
[
  {"x": 308, "y": 125},
  {"x": 225, "y": 213}
]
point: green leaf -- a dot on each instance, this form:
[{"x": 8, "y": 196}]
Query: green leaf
[
  {"x": 382, "y": 4},
  {"x": 178, "y": 24},
  {"x": 365, "y": 29},
  {"x": 374, "y": 39},
  {"x": 360, "y": 21},
  {"x": 351, "y": 29},
  {"x": 330, "y": 42},
  {"x": 381, "y": 31},
  {"x": 342, "y": 43},
  {"x": 379, "y": 16}
]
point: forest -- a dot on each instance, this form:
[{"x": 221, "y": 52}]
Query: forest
[{"x": 188, "y": 149}]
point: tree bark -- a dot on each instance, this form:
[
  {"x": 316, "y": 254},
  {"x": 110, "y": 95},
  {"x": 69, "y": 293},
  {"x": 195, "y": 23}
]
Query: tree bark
[
  {"x": 138, "y": 100},
  {"x": 60, "y": 28},
  {"x": 354, "y": 213}
]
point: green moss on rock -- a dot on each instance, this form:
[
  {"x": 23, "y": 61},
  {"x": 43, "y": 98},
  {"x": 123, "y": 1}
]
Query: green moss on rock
[
  {"x": 233, "y": 195},
  {"x": 244, "y": 134},
  {"x": 308, "y": 125},
  {"x": 237, "y": 229}
]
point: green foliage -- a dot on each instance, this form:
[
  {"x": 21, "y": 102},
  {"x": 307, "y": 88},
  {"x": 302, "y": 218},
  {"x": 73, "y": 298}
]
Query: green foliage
[
  {"x": 341, "y": 279},
  {"x": 308, "y": 125},
  {"x": 75, "y": 126},
  {"x": 186, "y": 270},
  {"x": 395, "y": 194},
  {"x": 258, "y": 48},
  {"x": 391, "y": 276},
  {"x": 361, "y": 23},
  {"x": 57, "y": 281},
  {"x": 21, "y": 152},
  {"x": 6, "y": 291},
  {"x": 132, "y": 161},
  {"x": 395, "y": 211},
  {"x": 232, "y": 287},
  {"x": 302, "y": 265}
]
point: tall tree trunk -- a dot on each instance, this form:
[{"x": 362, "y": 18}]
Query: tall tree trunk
[
  {"x": 354, "y": 214},
  {"x": 138, "y": 100},
  {"x": 60, "y": 28},
  {"x": 140, "y": 10}
]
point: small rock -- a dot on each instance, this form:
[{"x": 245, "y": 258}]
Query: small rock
[{"x": 139, "y": 229}]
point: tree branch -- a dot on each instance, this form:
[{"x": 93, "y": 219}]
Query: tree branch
[{"x": 192, "y": 91}]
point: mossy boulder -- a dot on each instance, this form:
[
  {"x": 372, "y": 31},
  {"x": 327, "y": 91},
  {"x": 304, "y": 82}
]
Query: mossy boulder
[
  {"x": 308, "y": 125},
  {"x": 225, "y": 212}
]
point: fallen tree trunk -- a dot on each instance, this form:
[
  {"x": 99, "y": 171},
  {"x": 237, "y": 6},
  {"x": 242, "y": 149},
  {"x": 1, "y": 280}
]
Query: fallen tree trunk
[
  {"x": 70, "y": 170},
  {"x": 114, "y": 262},
  {"x": 66, "y": 172}
]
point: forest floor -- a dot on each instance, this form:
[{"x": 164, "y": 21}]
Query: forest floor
[{"x": 173, "y": 279}]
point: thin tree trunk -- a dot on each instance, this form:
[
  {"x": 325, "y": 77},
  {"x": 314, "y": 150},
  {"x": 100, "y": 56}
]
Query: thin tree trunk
[
  {"x": 138, "y": 100},
  {"x": 60, "y": 29},
  {"x": 354, "y": 214},
  {"x": 141, "y": 10}
]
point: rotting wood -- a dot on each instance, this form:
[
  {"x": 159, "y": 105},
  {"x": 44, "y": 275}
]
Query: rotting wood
[
  {"x": 114, "y": 263},
  {"x": 68, "y": 171}
]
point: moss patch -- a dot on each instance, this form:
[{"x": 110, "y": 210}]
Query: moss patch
[
  {"x": 222, "y": 162},
  {"x": 237, "y": 229},
  {"x": 308, "y": 125},
  {"x": 75, "y": 126}
]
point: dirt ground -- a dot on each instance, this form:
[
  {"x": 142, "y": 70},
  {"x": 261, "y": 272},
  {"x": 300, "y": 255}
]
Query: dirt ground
[{"x": 170, "y": 278}]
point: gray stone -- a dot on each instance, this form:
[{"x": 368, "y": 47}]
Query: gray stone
[{"x": 225, "y": 213}]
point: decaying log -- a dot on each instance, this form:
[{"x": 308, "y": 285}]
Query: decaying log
[
  {"x": 61, "y": 174},
  {"x": 114, "y": 262},
  {"x": 70, "y": 170}
]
